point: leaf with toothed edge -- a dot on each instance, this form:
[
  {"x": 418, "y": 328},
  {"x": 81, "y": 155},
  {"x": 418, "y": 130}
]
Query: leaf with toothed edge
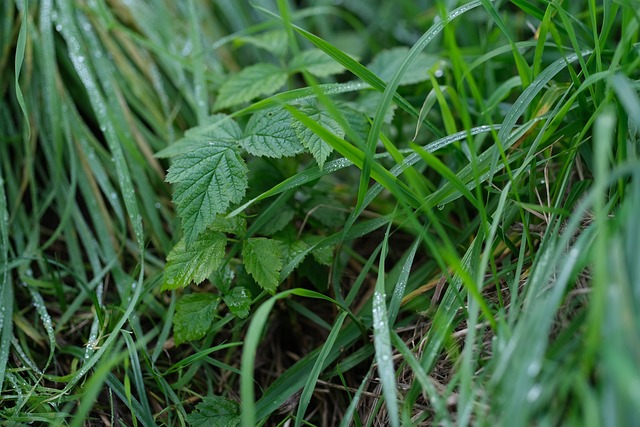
[
  {"x": 208, "y": 180},
  {"x": 270, "y": 133},
  {"x": 194, "y": 315},
  {"x": 195, "y": 263},
  {"x": 252, "y": 82},
  {"x": 319, "y": 149},
  {"x": 263, "y": 260}
]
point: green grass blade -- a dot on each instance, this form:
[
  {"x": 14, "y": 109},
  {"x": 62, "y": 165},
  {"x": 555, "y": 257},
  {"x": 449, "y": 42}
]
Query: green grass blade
[
  {"x": 311, "y": 382},
  {"x": 382, "y": 340}
]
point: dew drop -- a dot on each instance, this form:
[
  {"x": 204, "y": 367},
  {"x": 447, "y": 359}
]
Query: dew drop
[
  {"x": 438, "y": 73},
  {"x": 534, "y": 393},
  {"x": 533, "y": 369}
]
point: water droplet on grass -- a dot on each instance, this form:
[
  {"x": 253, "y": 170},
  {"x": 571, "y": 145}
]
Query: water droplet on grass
[{"x": 534, "y": 393}]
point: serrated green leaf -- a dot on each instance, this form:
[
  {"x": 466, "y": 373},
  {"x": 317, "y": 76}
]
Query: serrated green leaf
[
  {"x": 263, "y": 260},
  {"x": 315, "y": 62},
  {"x": 208, "y": 180},
  {"x": 218, "y": 127},
  {"x": 319, "y": 149},
  {"x": 253, "y": 81},
  {"x": 236, "y": 225},
  {"x": 324, "y": 254},
  {"x": 215, "y": 411},
  {"x": 356, "y": 119},
  {"x": 386, "y": 63},
  {"x": 290, "y": 250},
  {"x": 275, "y": 41},
  {"x": 195, "y": 262},
  {"x": 223, "y": 278},
  {"x": 194, "y": 315},
  {"x": 238, "y": 301},
  {"x": 269, "y": 133}
]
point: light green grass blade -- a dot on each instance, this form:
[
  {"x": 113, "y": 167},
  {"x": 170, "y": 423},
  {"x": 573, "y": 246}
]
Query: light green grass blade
[{"x": 382, "y": 340}]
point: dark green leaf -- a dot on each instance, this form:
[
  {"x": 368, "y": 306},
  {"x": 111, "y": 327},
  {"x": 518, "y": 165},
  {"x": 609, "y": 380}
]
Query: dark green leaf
[
  {"x": 215, "y": 411},
  {"x": 263, "y": 260},
  {"x": 194, "y": 315},
  {"x": 195, "y": 262},
  {"x": 238, "y": 301}
]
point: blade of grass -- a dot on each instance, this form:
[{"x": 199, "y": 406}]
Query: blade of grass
[{"x": 382, "y": 340}]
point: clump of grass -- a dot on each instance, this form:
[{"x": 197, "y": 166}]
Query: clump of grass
[{"x": 394, "y": 215}]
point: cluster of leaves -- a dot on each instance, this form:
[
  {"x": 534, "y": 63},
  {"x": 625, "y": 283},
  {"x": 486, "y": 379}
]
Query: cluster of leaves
[{"x": 210, "y": 175}]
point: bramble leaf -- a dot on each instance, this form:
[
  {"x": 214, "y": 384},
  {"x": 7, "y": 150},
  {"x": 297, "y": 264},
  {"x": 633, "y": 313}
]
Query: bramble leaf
[
  {"x": 269, "y": 133},
  {"x": 263, "y": 260},
  {"x": 315, "y": 62},
  {"x": 236, "y": 225},
  {"x": 215, "y": 411},
  {"x": 194, "y": 315},
  {"x": 219, "y": 127},
  {"x": 208, "y": 179},
  {"x": 275, "y": 41},
  {"x": 319, "y": 149},
  {"x": 386, "y": 63},
  {"x": 238, "y": 301},
  {"x": 223, "y": 278},
  {"x": 195, "y": 263},
  {"x": 251, "y": 82}
]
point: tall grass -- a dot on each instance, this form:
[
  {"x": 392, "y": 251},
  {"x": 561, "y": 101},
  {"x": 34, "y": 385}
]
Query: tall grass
[{"x": 466, "y": 255}]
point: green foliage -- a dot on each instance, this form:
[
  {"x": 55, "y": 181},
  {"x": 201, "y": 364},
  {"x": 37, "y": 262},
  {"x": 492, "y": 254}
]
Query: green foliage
[
  {"x": 251, "y": 82},
  {"x": 270, "y": 133},
  {"x": 195, "y": 263},
  {"x": 425, "y": 209},
  {"x": 195, "y": 314},
  {"x": 208, "y": 180},
  {"x": 215, "y": 411},
  {"x": 263, "y": 260}
]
